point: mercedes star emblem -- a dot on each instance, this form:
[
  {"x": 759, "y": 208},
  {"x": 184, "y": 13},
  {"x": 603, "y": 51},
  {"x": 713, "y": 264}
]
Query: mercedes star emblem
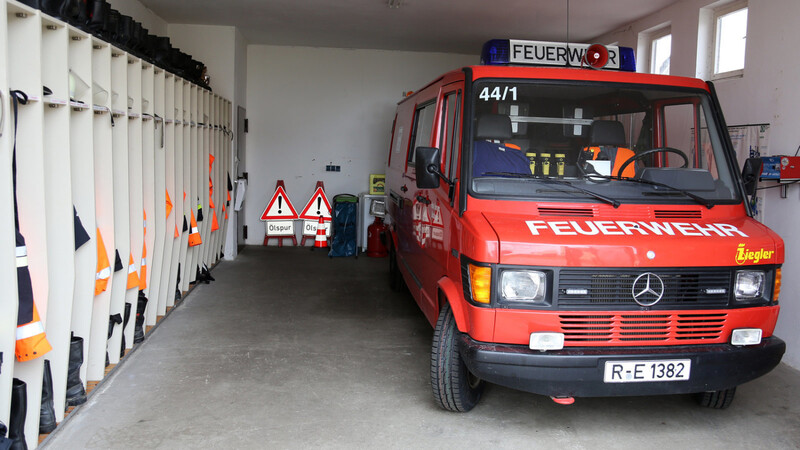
[{"x": 647, "y": 289}]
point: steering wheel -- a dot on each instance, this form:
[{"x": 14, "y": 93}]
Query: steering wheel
[{"x": 639, "y": 156}]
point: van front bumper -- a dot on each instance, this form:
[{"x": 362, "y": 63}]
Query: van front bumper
[{"x": 578, "y": 371}]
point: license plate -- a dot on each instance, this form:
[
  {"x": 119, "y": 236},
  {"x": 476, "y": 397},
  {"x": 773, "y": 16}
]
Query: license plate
[{"x": 647, "y": 371}]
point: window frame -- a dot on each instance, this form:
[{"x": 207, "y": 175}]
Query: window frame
[{"x": 718, "y": 13}]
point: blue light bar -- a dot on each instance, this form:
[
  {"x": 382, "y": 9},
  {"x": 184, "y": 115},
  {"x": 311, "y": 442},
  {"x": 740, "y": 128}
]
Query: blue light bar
[
  {"x": 542, "y": 53},
  {"x": 495, "y": 52},
  {"x": 627, "y": 61}
]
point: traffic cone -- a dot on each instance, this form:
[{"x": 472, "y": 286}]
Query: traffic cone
[{"x": 321, "y": 240}]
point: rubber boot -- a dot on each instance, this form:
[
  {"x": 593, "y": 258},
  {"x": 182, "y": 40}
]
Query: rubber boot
[
  {"x": 16, "y": 422},
  {"x": 178, "y": 294},
  {"x": 138, "y": 330},
  {"x": 76, "y": 394},
  {"x": 47, "y": 414},
  {"x": 207, "y": 274},
  {"x": 113, "y": 320},
  {"x": 125, "y": 319},
  {"x": 5, "y": 443}
]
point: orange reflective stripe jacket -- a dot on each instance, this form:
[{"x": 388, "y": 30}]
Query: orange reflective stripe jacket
[
  {"x": 103, "y": 266},
  {"x": 169, "y": 203},
  {"x": 133, "y": 277},
  {"x": 619, "y": 156},
  {"x": 214, "y": 223},
  {"x": 194, "y": 234},
  {"x": 31, "y": 339}
]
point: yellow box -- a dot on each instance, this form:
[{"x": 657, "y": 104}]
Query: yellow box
[{"x": 377, "y": 182}]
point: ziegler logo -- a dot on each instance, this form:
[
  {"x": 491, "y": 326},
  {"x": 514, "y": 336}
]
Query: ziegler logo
[{"x": 744, "y": 255}]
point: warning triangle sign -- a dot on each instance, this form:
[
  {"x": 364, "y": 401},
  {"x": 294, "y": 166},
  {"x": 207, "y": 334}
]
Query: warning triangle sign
[
  {"x": 317, "y": 206},
  {"x": 437, "y": 216},
  {"x": 279, "y": 207}
]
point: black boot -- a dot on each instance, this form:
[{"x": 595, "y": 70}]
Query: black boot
[
  {"x": 114, "y": 319},
  {"x": 125, "y": 319},
  {"x": 178, "y": 294},
  {"x": 16, "y": 423},
  {"x": 207, "y": 274},
  {"x": 5, "y": 443},
  {"x": 76, "y": 394},
  {"x": 138, "y": 330},
  {"x": 47, "y": 415}
]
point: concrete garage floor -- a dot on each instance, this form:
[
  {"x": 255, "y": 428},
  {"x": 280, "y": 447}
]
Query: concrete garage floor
[{"x": 291, "y": 349}]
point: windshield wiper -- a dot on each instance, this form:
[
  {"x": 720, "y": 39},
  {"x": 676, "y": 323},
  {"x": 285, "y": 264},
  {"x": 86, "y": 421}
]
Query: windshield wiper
[
  {"x": 703, "y": 201},
  {"x": 610, "y": 201}
]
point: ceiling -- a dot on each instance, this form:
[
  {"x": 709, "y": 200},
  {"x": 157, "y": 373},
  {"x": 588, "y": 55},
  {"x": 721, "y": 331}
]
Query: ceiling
[{"x": 453, "y": 26}]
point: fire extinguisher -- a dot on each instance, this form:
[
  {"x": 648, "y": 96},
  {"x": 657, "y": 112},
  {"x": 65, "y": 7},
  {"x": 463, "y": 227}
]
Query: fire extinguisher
[{"x": 375, "y": 246}]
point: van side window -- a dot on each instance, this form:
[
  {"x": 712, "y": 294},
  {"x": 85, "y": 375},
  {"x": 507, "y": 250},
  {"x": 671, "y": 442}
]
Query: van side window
[
  {"x": 453, "y": 107},
  {"x": 423, "y": 127},
  {"x": 449, "y": 114}
]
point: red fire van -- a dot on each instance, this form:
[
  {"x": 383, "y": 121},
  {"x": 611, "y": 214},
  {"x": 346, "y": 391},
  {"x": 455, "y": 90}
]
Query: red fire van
[{"x": 574, "y": 229}]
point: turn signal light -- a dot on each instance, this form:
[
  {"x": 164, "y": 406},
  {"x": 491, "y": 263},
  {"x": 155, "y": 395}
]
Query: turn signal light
[
  {"x": 777, "y": 291},
  {"x": 480, "y": 279}
]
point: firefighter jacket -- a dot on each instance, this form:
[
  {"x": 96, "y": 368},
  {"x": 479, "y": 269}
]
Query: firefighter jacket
[
  {"x": 103, "y": 266},
  {"x": 31, "y": 340}
]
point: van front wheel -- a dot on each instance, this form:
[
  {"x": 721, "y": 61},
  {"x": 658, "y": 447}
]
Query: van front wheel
[
  {"x": 454, "y": 387},
  {"x": 716, "y": 399}
]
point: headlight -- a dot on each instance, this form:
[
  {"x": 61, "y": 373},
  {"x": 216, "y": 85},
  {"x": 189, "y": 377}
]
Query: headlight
[
  {"x": 749, "y": 284},
  {"x": 523, "y": 285}
]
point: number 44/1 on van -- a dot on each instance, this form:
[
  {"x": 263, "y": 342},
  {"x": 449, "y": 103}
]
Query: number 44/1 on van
[{"x": 575, "y": 232}]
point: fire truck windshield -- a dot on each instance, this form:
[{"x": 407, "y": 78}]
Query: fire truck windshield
[{"x": 627, "y": 143}]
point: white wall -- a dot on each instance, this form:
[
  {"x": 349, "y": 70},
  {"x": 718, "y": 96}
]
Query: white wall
[
  {"x": 767, "y": 93},
  {"x": 310, "y": 107}
]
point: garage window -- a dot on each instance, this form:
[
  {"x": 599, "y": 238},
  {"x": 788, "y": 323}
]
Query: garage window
[
  {"x": 730, "y": 37},
  {"x": 660, "y": 51}
]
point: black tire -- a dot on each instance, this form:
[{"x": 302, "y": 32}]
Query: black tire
[
  {"x": 716, "y": 399},
  {"x": 454, "y": 387},
  {"x": 396, "y": 282}
]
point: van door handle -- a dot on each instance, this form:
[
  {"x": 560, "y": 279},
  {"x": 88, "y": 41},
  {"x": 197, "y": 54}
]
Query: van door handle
[
  {"x": 422, "y": 199},
  {"x": 404, "y": 188}
]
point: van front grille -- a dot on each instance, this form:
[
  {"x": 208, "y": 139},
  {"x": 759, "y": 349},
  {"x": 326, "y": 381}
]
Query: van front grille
[{"x": 645, "y": 328}]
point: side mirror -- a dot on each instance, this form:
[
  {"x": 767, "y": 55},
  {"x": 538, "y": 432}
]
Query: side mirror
[
  {"x": 750, "y": 174},
  {"x": 427, "y": 161}
]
